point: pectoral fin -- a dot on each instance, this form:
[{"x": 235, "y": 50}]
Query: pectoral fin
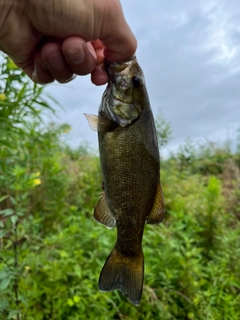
[
  {"x": 103, "y": 214},
  {"x": 100, "y": 124},
  {"x": 157, "y": 213}
]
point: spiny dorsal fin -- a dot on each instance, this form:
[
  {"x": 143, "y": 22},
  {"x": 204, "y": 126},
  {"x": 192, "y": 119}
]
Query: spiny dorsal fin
[
  {"x": 100, "y": 124},
  {"x": 103, "y": 214},
  {"x": 157, "y": 213}
]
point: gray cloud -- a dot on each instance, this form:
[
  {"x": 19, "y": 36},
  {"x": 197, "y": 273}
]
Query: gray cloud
[{"x": 190, "y": 53}]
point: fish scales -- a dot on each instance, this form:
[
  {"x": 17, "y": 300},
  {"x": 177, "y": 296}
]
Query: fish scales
[
  {"x": 130, "y": 166},
  {"x": 135, "y": 169}
]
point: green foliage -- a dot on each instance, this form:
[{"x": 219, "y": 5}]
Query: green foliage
[
  {"x": 163, "y": 128},
  {"x": 207, "y": 159},
  {"x": 52, "y": 251}
]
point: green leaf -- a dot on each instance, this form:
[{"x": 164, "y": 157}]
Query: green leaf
[
  {"x": 13, "y": 314},
  {"x": 4, "y": 283},
  {"x": 76, "y": 299},
  {"x": 3, "y": 233},
  {"x": 70, "y": 302},
  {"x": 3, "y": 198},
  {"x": 3, "y": 303},
  {"x": 3, "y": 275},
  {"x": 14, "y": 219},
  {"x": 7, "y": 212}
]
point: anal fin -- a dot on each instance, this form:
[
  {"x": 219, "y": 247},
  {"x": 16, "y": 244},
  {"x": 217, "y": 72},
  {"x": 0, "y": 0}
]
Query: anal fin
[
  {"x": 157, "y": 212},
  {"x": 103, "y": 214}
]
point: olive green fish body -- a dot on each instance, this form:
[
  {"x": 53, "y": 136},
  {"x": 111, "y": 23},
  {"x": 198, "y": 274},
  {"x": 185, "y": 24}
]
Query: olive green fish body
[
  {"x": 130, "y": 166},
  {"x": 131, "y": 175}
]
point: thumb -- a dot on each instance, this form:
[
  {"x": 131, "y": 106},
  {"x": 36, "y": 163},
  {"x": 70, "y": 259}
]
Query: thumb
[
  {"x": 118, "y": 40},
  {"x": 121, "y": 46}
]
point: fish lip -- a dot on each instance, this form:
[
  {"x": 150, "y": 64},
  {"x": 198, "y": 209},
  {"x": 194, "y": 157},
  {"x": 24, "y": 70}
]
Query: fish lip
[{"x": 120, "y": 62}]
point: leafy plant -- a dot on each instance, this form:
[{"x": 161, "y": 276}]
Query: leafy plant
[{"x": 52, "y": 251}]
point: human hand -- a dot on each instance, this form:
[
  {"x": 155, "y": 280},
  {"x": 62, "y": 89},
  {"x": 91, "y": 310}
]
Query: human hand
[{"x": 56, "y": 39}]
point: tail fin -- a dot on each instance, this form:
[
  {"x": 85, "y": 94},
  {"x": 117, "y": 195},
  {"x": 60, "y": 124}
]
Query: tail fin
[{"x": 123, "y": 273}]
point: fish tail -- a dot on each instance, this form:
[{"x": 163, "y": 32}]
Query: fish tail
[{"x": 123, "y": 273}]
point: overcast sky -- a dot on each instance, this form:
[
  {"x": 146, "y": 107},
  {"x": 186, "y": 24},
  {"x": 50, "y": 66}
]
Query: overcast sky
[{"x": 190, "y": 54}]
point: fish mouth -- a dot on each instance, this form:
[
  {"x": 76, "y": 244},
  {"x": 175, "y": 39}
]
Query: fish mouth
[{"x": 114, "y": 67}]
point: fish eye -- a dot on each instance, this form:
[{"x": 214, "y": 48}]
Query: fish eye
[{"x": 136, "y": 82}]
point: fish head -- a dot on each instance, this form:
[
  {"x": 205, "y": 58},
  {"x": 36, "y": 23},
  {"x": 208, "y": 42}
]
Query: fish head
[{"x": 125, "y": 96}]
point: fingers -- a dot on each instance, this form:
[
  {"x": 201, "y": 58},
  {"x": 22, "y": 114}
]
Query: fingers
[
  {"x": 80, "y": 55},
  {"x": 24, "y": 27},
  {"x": 56, "y": 61},
  {"x": 99, "y": 76},
  {"x": 41, "y": 73},
  {"x": 118, "y": 40},
  {"x": 122, "y": 48},
  {"x": 52, "y": 64}
]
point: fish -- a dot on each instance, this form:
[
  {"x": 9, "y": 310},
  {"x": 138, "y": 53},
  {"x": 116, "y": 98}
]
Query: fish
[{"x": 130, "y": 164}]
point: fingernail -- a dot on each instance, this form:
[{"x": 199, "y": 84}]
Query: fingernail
[
  {"x": 74, "y": 76},
  {"x": 34, "y": 76},
  {"x": 38, "y": 65},
  {"x": 91, "y": 50},
  {"x": 75, "y": 55},
  {"x": 56, "y": 61}
]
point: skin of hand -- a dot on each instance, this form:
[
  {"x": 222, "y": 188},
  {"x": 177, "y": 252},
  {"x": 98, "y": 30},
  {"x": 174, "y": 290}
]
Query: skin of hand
[{"x": 56, "y": 39}]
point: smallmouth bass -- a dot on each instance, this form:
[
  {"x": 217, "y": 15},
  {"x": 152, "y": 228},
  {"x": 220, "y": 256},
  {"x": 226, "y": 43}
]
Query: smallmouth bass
[{"x": 130, "y": 164}]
